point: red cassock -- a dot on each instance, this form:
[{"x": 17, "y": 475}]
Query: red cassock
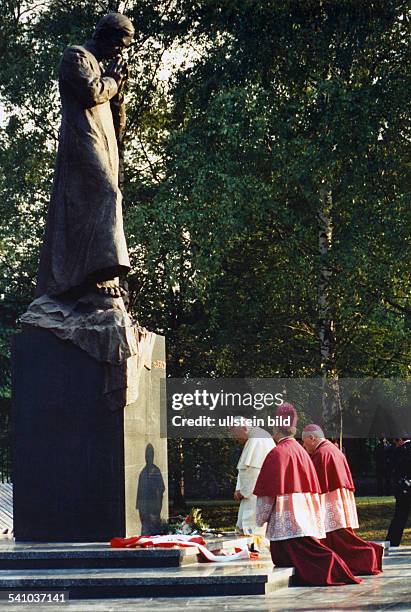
[
  {"x": 340, "y": 512},
  {"x": 289, "y": 500}
]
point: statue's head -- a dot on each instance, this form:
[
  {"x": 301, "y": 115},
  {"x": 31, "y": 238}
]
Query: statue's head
[
  {"x": 114, "y": 32},
  {"x": 149, "y": 454}
]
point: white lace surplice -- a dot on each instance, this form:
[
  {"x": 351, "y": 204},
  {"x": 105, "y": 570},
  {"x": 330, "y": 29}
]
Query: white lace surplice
[
  {"x": 294, "y": 515},
  {"x": 339, "y": 510}
]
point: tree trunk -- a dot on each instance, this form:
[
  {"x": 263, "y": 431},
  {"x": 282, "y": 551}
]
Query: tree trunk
[
  {"x": 178, "y": 477},
  {"x": 331, "y": 403}
]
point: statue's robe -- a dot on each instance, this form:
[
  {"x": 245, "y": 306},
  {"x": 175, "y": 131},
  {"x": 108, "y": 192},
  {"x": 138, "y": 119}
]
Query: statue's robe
[{"x": 84, "y": 238}]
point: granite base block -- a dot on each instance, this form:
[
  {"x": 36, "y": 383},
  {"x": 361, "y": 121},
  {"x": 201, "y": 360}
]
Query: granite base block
[{"x": 76, "y": 462}]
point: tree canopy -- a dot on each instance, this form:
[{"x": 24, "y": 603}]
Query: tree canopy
[{"x": 239, "y": 113}]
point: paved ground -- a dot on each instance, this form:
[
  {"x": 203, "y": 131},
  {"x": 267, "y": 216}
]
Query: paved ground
[{"x": 389, "y": 591}]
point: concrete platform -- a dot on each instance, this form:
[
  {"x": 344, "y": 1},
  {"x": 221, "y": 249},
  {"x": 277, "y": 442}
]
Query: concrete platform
[
  {"x": 205, "y": 579},
  {"x": 96, "y": 571},
  {"x": 390, "y": 591}
]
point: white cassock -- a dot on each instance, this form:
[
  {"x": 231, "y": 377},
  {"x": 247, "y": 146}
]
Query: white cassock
[{"x": 255, "y": 450}]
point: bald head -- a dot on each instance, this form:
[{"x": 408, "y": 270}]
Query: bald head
[
  {"x": 312, "y": 435},
  {"x": 240, "y": 433},
  {"x": 313, "y": 430}
]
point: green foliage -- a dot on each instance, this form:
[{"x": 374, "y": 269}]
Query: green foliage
[
  {"x": 282, "y": 100},
  {"x": 264, "y": 103}
]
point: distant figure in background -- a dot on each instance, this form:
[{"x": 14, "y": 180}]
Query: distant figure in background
[
  {"x": 382, "y": 466},
  {"x": 340, "y": 511},
  {"x": 150, "y": 492},
  {"x": 288, "y": 500},
  {"x": 401, "y": 478},
  {"x": 257, "y": 444},
  {"x": 390, "y": 462}
]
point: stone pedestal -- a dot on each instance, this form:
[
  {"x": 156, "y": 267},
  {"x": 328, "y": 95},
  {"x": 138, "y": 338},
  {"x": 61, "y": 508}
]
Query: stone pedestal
[{"x": 76, "y": 463}]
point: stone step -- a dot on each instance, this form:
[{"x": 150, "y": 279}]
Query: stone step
[
  {"x": 95, "y": 559},
  {"x": 386, "y": 545},
  {"x": 100, "y": 555},
  {"x": 199, "y": 579}
]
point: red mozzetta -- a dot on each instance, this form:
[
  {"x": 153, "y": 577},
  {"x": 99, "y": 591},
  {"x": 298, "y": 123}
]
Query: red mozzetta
[
  {"x": 287, "y": 469},
  {"x": 332, "y": 468}
]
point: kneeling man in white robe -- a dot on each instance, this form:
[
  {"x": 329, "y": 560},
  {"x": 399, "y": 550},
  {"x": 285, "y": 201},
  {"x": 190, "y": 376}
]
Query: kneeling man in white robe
[{"x": 257, "y": 444}]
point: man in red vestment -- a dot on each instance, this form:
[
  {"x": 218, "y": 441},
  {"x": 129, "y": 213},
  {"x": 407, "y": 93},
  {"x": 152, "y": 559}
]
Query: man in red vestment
[
  {"x": 340, "y": 512},
  {"x": 288, "y": 500}
]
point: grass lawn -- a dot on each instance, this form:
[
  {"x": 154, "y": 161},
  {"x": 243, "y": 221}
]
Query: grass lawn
[{"x": 374, "y": 515}]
